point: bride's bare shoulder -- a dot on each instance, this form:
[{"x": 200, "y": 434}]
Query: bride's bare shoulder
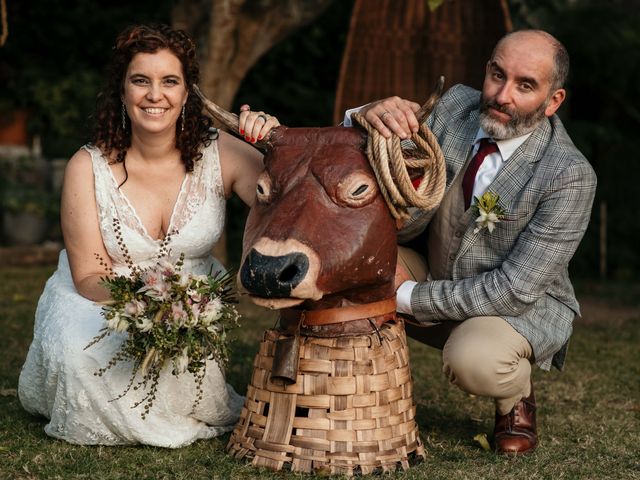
[{"x": 79, "y": 166}]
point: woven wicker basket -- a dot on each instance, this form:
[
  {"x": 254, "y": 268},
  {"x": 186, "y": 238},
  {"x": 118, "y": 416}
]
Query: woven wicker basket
[{"x": 351, "y": 410}]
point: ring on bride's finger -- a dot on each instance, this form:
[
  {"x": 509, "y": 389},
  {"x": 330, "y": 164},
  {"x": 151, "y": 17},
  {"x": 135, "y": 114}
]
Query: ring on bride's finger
[
  {"x": 263, "y": 117},
  {"x": 385, "y": 113}
]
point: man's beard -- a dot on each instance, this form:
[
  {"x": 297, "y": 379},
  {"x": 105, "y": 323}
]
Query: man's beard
[{"x": 518, "y": 124}]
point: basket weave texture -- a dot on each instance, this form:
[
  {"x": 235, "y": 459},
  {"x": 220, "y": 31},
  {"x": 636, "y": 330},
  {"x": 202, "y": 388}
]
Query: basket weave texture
[{"x": 350, "y": 411}]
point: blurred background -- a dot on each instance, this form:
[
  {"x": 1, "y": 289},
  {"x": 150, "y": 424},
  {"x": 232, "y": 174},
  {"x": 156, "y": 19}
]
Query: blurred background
[{"x": 305, "y": 61}]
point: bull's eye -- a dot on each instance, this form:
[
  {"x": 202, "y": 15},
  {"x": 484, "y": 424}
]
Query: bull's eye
[
  {"x": 357, "y": 189},
  {"x": 263, "y": 188},
  {"x": 360, "y": 190}
]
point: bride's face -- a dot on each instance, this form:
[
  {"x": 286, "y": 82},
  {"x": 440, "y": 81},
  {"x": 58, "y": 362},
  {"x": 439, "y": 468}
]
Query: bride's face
[{"x": 154, "y": 92}]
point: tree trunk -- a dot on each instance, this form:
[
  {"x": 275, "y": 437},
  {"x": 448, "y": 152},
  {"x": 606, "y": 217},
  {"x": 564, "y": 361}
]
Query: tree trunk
[{"x": 231, "y": 35}]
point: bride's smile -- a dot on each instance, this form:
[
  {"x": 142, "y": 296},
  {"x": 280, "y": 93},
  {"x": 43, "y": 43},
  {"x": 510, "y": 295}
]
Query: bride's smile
[{"x": 154, "y": 91}]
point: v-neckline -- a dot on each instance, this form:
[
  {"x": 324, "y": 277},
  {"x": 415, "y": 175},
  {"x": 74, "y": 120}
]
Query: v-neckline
[{"x": 135, "y": 213}]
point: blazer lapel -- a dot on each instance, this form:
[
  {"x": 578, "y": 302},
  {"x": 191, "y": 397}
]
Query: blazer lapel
[
  {"x": 456, "y": 146},
  {"x": 511, "y": 178},
  {"x": 515, "y": 174}
]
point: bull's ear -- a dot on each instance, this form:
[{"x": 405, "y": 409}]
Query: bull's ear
[{"x": 273, "y": 139}]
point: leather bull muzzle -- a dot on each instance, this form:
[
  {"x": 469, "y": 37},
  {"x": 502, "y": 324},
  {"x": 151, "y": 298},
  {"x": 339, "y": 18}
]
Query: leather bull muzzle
[
  {"x": 269, "y": 276},
  {"x": 280, "y": 274}
]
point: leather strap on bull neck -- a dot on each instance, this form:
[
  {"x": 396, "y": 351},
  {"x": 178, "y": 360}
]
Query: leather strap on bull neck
[{"x": 349, "y": 313}]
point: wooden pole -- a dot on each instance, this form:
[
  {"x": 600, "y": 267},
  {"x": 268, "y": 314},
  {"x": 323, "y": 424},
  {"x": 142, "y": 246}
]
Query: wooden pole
[{"x": 603, "y": 240}]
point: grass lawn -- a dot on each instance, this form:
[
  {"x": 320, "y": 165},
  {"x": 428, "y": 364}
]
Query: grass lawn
[{"x": 588, "y": 420}]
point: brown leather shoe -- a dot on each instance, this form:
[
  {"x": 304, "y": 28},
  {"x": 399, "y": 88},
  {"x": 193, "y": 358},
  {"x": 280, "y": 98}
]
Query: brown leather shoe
[{"x": 515, "y": 432}]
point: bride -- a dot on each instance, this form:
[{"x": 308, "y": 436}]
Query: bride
[{"x": 156, "y": 166}]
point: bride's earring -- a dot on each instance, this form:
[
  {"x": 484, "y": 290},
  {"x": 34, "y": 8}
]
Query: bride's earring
[
  {"x": 182, "y": 126},
  {"x": 124, "y": 117}
]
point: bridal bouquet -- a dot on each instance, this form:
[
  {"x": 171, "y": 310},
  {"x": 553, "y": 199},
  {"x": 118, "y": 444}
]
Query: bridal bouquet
[{"x": 171, "y": 318}]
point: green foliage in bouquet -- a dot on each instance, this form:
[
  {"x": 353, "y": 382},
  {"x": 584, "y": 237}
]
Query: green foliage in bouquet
[{"x": 170, "y": 317}]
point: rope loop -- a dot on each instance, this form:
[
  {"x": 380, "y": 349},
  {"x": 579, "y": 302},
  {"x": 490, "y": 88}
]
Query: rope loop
[{"x": 394, "y": 167}]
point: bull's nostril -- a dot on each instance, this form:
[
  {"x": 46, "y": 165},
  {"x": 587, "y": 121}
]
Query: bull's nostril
[
  {"x": 288, "y": 274},
  {"x": 273, "y": 276}
]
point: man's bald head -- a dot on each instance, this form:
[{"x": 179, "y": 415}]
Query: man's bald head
[{"x": 560, "y": 70}]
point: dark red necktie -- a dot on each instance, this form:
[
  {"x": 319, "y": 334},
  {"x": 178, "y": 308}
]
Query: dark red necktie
[{"x": 486, "y": 148}]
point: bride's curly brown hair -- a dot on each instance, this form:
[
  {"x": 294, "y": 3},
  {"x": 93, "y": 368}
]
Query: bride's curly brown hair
[{"x": 109, "y": 134}]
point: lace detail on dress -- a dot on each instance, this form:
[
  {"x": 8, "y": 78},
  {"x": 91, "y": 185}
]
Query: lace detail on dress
[{"x": 197, "y": 217}]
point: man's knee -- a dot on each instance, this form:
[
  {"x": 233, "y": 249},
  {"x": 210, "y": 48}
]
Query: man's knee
[{"x": 470, "y": 365}]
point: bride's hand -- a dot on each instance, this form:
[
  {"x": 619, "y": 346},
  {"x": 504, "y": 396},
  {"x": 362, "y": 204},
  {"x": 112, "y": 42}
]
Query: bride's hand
[{"x": 255, "y": 126}]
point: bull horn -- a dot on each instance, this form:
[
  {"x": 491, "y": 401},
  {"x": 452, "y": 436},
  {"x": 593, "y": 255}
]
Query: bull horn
[
  {"x": 426, "y": 109},
  {"x": 228, "y": 119}
]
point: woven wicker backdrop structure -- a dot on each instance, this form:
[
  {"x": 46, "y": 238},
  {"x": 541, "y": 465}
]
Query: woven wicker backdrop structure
[{"x": 400, "y": 47}]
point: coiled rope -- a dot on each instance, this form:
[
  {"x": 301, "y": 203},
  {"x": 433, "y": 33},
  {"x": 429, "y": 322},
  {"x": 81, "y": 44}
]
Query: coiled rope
[{"x": 393, "y": 167}]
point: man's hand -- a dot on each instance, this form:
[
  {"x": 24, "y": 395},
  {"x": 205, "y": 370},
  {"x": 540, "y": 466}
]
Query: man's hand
[{"x": 393, "y": 114}]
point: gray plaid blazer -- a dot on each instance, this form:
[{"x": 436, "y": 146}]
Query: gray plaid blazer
[{"x": 519, "y": 271}]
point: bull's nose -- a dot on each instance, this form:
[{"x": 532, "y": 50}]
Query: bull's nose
[{"x": 273, "y": 277}]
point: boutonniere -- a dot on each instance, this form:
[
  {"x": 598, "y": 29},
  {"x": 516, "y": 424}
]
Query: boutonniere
[{"x": 488, "y": 211}]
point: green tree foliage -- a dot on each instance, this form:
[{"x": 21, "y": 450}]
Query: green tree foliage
[{"x": 54, "y": 59}]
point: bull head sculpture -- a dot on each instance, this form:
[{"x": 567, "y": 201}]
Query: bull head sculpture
[{"x": 320, "y": 234}]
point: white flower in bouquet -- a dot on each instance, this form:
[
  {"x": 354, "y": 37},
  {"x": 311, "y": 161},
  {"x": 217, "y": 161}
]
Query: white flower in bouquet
[
  {"x": 194, "y": 295},
  {"x": 117, "y": 322},
  {"x": 144, "y": 324},
  {"x": 212, "y": 312},
  {"x": 181, "y": 362}
]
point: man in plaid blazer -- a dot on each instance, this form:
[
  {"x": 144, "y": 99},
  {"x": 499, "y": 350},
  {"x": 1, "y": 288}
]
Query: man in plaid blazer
[{"x": 497, "y": 300}]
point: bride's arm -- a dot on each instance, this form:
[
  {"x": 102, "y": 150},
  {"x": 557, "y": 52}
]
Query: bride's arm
[
  {"x": 81, "y": 230},
  {"x": 241, "y": 165}
]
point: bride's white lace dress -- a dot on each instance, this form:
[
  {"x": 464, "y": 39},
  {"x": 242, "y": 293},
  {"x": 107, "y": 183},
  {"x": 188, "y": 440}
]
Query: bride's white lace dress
[{"x": 57, "y": 379}]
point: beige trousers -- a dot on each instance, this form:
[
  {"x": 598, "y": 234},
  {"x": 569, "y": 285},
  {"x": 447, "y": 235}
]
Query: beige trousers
[{"x": 482, "y": 355}]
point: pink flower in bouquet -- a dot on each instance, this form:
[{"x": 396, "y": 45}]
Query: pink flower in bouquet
[
  {"x": 155, "y": 285},
  {"x": 178, "y": 313},
  {"x": 166, "y": 267},
  {"x": 134, "y": 308}
]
